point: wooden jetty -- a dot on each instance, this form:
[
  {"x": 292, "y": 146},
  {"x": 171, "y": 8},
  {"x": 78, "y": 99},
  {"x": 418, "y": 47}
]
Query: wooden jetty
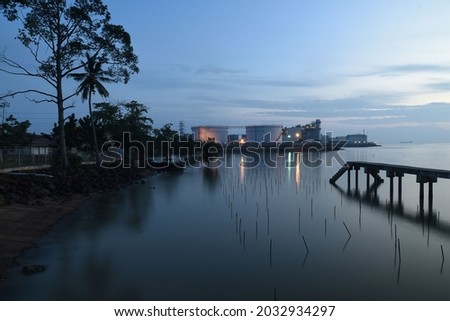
[{"x": 423, "y": 175}]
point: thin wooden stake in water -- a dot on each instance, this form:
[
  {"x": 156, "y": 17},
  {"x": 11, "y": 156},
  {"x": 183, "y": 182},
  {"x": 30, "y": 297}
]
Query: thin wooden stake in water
[
  {"x": 306, "y": 245},
  {"x": 347, "y": 229},
  {"x": 442, "y": 251},
  {"x": 395, "y": 229},
  {"x": 275, "y": 294},
  {"x": 270, "y": 253},
  {"x": 312, "y": 199},
  {"x": 399, "y": 252},
  {"x": 240, "y": 224}
]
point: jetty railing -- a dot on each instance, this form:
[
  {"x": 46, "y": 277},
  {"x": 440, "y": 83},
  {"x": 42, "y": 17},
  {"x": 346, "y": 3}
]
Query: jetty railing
[{"x": 423, "y": 175}]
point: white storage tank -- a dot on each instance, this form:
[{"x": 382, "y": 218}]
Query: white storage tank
[
  {"x": 264, "y": 133},
  {"x": 219, "y": 134}
]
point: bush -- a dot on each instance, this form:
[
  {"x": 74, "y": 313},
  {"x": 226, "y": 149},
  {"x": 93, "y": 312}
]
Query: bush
[{"x": 74, "y": 160}]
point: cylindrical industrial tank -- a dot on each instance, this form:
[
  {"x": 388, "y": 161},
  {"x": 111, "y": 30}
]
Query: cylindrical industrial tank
[
  {"x": 264, "y": 133},
  {"x": 219, "y": 134}
]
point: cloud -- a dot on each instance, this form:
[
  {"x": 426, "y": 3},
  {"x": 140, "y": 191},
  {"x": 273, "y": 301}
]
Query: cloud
[
  {"x": 439, "y": 86},
  {"x": 417, "y": 68},
  {"x": 282, "y": 83},
  {"x": 179, "y": 67},
  {"x": 405, "y": 69},
  {"x": 213, "y": 69}
]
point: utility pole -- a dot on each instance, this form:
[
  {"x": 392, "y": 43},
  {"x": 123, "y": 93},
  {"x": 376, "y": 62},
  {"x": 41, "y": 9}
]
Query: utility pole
[
  {"x": 181, "y": 127},
  {"x": 3, "y": 104}
]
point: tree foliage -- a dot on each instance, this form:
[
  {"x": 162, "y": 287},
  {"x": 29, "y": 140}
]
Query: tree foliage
[
  {"x": 14, "y": 133},
  {"x": 111, "y": 121},
  {"x": 58, "y": 34},
  {"x": 92, "y": 80}
]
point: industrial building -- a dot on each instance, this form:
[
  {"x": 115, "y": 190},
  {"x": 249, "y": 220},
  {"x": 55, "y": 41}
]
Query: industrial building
[
  {"x": 272, "y": 134},
  {"x": 356, "y": 138},
  {"x": 292, "y": 134},
  {"x": 264, "y": 133},
  {"x": 218, "y": 134},
  {"x": 310, "y": 131}
]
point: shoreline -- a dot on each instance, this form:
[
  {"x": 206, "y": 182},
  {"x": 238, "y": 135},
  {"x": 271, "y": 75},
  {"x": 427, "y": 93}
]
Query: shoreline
[
  {"x": 22, "y": 225},
  {"x": 31, "y": 205}
]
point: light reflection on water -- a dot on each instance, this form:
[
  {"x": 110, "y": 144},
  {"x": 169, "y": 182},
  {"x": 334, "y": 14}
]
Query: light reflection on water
[{"x": 240, "y": 233}]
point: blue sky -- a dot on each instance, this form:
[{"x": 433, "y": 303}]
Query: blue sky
[{"x": 382, "y": 66}]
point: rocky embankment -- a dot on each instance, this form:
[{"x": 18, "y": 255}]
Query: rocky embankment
[
  {"x": 33, "y": 188},
  {"x": 32, "y": 202}
]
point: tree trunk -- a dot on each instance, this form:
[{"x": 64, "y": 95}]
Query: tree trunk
[
  {"x": 60, "y": 104},
  {"x": 94, "y": 133},
  {"x": 62, "y": 133}
]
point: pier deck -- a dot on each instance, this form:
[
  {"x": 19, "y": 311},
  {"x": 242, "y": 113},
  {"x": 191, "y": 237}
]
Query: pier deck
[{"x": 423, "y": 175}]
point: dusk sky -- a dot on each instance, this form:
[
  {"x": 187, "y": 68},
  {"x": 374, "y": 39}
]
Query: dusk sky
[{"x": 381, "y": 66}]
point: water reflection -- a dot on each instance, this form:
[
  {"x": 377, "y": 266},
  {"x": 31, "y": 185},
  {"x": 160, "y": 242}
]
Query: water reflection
[
  {"x": 211, "y": 177},
  {"x": 238, "y": 233},
  {"x": 371, "y": 198}
]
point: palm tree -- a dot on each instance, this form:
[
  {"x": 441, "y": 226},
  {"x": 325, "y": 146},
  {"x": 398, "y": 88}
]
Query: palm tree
[{"x": 91, "y": 82}]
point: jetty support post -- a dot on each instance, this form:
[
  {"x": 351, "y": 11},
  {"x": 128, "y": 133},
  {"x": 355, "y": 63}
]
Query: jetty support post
[
  {"x": 349, "y": 177},
  {"x": 356, "y": 176},
  {"x": 391, "y": 174},
  {"x": 422, "y": 180},
  {"x": 399, "y": 175},
  {"x": 367, "y": 171}
]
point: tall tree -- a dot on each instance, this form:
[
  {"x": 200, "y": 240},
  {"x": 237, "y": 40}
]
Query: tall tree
[
  {"x": 136, "y": 120},
  {"x": 91, "y": 81},
  {"x": 109, "y": 119},
  {"x": 57, "y": 34}
]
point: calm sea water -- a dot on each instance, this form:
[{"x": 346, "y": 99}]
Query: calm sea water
[{"x": 243, "y": 233}]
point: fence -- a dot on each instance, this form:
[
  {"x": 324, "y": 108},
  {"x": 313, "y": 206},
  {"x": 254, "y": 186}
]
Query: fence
[
  {"x": 25, "y": 156},
  {"x": 28, "y": 156}
]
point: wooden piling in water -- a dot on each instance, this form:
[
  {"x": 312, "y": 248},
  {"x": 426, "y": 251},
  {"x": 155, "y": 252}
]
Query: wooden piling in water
[
  {"x": 347, "y": 229},
  {"x": 395, "y": 228},
  {"x": 306, "y": 245}
]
